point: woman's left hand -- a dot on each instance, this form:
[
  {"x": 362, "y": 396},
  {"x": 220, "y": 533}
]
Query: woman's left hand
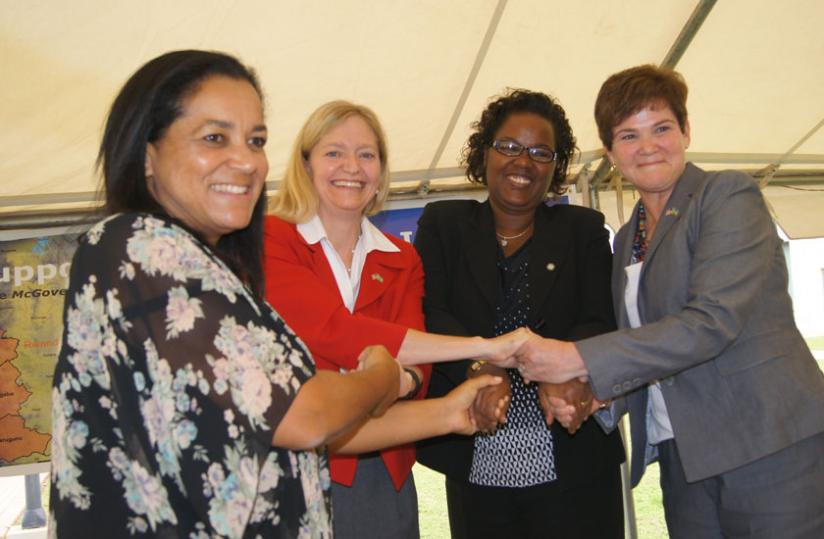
[{"x": 459, "y": 401}]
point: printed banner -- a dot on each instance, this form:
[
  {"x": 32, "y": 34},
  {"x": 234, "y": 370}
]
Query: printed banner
[{"x": 33, "y": 278}]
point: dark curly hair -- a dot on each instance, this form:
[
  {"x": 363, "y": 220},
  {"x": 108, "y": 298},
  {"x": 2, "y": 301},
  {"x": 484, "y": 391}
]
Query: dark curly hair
[{"x": 513, "y": 102}]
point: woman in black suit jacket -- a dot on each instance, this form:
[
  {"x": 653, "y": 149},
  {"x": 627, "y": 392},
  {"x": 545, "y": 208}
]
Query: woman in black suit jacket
[{"x": 508, "y": 262}]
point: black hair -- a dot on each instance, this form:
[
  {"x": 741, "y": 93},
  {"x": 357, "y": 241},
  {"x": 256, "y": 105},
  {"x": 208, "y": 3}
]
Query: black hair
[
  {"x": 513, "y": 102},
  {"x": 143, "y": 110}
]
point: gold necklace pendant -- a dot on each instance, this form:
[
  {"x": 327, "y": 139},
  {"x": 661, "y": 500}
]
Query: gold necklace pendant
[{"x": 505, "y": 239}]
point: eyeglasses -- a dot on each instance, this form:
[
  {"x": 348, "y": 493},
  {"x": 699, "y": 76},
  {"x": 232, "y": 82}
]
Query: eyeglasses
[{"x": 511, "y": 148}]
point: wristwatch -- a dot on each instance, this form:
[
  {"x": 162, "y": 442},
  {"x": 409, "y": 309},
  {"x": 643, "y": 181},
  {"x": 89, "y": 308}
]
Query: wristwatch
[{"x": 417, "y": 383}]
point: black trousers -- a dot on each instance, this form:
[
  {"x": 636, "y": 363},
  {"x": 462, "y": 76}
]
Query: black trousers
[{"x": 587, "y": 511}]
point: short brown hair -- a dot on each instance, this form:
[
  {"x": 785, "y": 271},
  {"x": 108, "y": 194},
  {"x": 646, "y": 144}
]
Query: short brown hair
[{"x": 634, "y": 89}]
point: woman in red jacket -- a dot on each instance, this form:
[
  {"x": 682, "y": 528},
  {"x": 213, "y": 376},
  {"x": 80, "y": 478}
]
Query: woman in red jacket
[{"x": 341, "y": 284}]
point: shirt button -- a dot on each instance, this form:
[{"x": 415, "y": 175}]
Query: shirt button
[{"x": 550, "y": 266}]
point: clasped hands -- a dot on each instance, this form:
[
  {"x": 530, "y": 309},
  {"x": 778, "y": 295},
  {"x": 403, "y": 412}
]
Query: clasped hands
[
  {"x": 481, "y": 404},
  {"x": 557, "y": 368}
]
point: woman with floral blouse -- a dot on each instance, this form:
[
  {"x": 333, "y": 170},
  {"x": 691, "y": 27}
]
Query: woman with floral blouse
[{"x": 183, "y": 406}]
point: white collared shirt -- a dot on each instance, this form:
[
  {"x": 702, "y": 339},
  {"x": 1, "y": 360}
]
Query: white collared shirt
[
  {"x": 659, "y": 427},
  {"x": 371, "y": 239}
]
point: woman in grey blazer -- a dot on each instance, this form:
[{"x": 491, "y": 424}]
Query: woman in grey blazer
[{"x": 719, "y": 384}]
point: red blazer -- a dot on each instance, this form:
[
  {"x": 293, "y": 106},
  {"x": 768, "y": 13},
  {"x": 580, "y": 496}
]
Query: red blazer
[{"x": 301, "y": 287}]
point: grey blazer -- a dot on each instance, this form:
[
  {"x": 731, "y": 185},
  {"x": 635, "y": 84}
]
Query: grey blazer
[{"x": 717, "y": 331}]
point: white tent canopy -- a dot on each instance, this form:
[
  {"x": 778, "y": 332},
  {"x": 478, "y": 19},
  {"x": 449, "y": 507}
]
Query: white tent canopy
[{"x": 427, "y": 68}]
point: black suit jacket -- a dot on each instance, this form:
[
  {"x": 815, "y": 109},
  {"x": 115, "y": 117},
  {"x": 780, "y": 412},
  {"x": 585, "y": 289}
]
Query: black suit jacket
[{"x": 569, "y": 278}]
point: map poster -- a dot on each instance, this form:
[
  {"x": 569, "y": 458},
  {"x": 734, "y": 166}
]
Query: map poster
[{"x": 33, "y": 279}]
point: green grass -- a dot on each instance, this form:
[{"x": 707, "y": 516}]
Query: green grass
[
  {"x": 432, "y": 513},
  {"x": 815, "y": 343},
  {"x": 649, "y": 509}
]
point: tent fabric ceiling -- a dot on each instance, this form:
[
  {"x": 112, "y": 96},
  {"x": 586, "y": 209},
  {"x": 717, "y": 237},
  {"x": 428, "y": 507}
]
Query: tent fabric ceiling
[{"x": 755, "y": 72}]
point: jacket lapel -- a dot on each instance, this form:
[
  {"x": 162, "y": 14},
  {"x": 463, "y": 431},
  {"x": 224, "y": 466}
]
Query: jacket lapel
[
  {"x": 320, "y": 264},
  {"x": 379, "y": 272},
  {"x": 622, "y": 256},
  {"x": 676, "y": 207},
  {"x": 550, "y": 243},
  {"x": 477, "y": 234}
]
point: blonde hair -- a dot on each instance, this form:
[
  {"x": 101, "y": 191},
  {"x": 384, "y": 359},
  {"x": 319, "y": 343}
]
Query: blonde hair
[{"x": 296, "y": 200}]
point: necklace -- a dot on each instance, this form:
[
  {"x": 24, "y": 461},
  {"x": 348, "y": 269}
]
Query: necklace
[
  {"x": 639, "y": 242},
  {"x": 354, "y": 248},
  {"x": 505, "y": 239}
]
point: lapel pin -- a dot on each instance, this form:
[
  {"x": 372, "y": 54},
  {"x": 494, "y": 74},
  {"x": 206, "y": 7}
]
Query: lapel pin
[
  {"x": 550, "y": 266},
  {"x": 672, "y": 211},
  {"x": 377, "y": 277}
]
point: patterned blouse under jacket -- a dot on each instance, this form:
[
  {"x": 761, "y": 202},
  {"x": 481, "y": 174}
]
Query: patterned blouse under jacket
[{"x": 170, "y": 383}]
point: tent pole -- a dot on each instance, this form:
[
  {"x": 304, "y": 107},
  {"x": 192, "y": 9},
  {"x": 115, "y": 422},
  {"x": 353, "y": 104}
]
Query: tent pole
[{"x": 423, "y": 187}]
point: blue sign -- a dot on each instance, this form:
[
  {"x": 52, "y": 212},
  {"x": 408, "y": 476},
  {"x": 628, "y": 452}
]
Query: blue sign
[{"x": 400, "y": 223}]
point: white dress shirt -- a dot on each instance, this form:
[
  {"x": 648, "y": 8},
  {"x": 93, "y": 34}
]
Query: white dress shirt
[
  {"x": 659, "y": 427},
  {"x": 348, "y": 281}
]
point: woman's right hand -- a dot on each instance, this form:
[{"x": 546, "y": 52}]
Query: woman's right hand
[
  {"x": 395, "y": 381},
  {"x": 501, "y": 350},
  {"x": 492, "y": 402},
  {"x": 459, "y": 403},
  {"x": 571, "y": 403}
]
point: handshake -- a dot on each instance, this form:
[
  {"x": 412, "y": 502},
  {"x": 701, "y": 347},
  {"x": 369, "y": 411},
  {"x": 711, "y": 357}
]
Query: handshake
[{"x": 554, "y": 366}]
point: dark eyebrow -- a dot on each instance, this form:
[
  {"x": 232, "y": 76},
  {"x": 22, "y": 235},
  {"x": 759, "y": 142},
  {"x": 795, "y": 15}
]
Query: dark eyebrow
[
  {"x": 223, "y": 124},
  {"x": 220, "y": 123},
  {"x": 513, "y": 139}
]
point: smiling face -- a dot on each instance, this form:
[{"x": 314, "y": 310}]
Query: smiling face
[
  {"x": 518, "y": 184},
  {"x": 209, "y": 168},
  {"x": 649, "y": 149},
  {"x": 345, "y": 169}
]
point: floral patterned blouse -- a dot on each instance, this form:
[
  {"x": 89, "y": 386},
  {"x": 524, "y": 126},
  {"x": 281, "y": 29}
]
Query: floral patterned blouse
[{"x": 171, "y": 381}]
